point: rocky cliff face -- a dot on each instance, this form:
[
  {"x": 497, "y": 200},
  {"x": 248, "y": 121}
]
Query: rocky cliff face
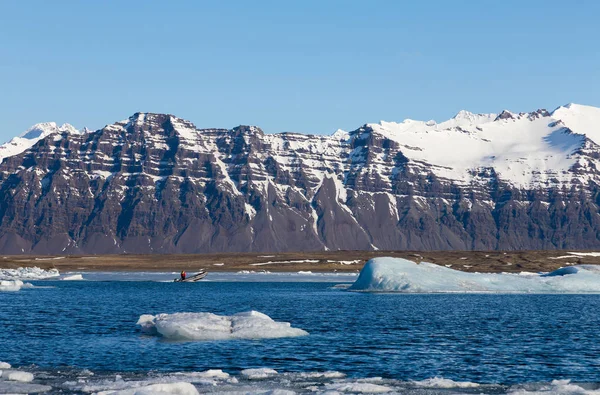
[{"x": 156, "y": 184}]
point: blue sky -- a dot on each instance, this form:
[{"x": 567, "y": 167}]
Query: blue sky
[{"x": 309, "y": 66}]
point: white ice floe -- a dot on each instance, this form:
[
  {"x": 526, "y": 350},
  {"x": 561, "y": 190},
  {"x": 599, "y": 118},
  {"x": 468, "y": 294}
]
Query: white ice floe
[
  {"x": 556, "y": 387},
  {"x": 17, "y": 375},
  {"x": 401, "y": 275},
  {"x": 208, "y": 326},
  {"x": 28, "y": 273},
  {"x": 211, "y": 373},
  {"x": 181, "y": 388},
  {"x": 359, "y": 388},
  {"x": 16, "y": 387},
  {"x": 259, "y": 373},
  {"x": 74, "y": 277},
  {"x": 5, "y": 365},
  {"x": 268, "y": 381},
  {"x": 440, "y": 382},
  {"x": 13, "y": 285}
]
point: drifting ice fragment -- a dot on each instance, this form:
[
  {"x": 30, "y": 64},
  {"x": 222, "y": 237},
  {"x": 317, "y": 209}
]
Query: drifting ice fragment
[
  {"x": 13, "y": 285},
  {"x": 208, "y": 326},
  {"x": 260, "y": 373},
  {"x": 170, "y": 388},
  {"x": 74, "y": 277},
  {"x": 23, "y": 377}
]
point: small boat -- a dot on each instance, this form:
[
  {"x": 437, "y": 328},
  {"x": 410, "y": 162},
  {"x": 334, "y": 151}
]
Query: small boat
[{"x": 193, "y": 278}]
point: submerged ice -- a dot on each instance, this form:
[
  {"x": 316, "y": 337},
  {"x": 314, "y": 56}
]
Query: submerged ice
[
  {"x": 208, "y": 326},
  {"x": 401, "y": 275}
]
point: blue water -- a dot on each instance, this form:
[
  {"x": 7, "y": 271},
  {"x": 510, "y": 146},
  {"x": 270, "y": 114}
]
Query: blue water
[{"x": 479, "y": 338}]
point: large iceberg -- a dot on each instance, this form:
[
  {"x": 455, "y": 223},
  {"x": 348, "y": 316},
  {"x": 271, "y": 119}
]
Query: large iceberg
[
  {"x": 401, "y": 275},
  {"x": 208, "y": 326}
]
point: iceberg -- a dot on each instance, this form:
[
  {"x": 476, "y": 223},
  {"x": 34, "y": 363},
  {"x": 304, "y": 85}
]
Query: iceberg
[
  {"x": 28, "y": 273},
  {"x": 401, "y": 275},
  {"x": 208, "y": 326}
]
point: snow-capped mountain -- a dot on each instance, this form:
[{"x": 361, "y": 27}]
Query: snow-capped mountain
[
  {"x": 33, "y": 135},
  {"x": 156, "y": 183}
]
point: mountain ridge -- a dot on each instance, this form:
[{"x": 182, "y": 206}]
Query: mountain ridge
[{"x": 157, "y": 183}]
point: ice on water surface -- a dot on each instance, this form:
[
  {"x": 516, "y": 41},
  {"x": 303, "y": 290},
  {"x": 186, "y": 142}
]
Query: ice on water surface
[
  {"x": 268, "y": 381},
  {"x": 259, "y": 373},
  {"x": 73, "y": 277},
  {"x": 154, "y": 389},
  {"x": 401, "y": 275},
  {"x": 13, "y": 285},
  {"x": 208, "y": 326},
  {"x": 28, "y": 273}
]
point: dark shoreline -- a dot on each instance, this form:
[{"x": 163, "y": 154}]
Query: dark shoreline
[{"x": 322, "y": 261}]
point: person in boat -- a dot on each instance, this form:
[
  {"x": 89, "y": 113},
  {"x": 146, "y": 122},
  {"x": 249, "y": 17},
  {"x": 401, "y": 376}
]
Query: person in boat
[{"x": 182, "y": 275}]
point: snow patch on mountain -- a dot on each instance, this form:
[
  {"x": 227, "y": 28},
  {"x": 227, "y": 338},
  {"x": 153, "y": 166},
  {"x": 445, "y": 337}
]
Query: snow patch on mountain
[
  {"x": 584, "y": 120},
  {"x": 526, "y": 149}
]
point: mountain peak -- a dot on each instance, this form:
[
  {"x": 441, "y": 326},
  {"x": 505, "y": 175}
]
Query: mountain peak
[
  {"x": 463, "y": 114},
  {"x": 340, "y": 134},
  {"x": 43, "y": 129}
]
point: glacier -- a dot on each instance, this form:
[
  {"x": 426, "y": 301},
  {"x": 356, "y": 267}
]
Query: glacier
[
  {"x": 208, "y": 326},
  {"x": 401, "y": 275}
]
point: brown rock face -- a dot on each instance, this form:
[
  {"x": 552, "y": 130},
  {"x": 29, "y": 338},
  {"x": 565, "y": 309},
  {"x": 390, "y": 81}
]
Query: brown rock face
[{"x": 157, "y": 184}]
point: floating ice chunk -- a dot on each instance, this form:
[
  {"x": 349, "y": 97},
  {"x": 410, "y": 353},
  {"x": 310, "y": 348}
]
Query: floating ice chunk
[
  {"x": 361, "y": 388},
  {"x": 211, "y": 377},
  {"x": 27, "y": 273},
  {"x": 208, "y": 326},
  {"x": 440, "y": 382},
  {"x": 212, "y": 373},
  {"x": 74, "y": 277},
  {"x": 260, "y": 373},
  {"x": 13, "y": 285},
  {"x": 17, "y": 375},
  {"x": 16, "y": 387},
  {"x": 556, "y": 387},
  {"x": 157, "y": 389},
  {"x": 401, "y": 275},
  {"x": 320, "y": 375},
  {"x": 5, "y": 365}
]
